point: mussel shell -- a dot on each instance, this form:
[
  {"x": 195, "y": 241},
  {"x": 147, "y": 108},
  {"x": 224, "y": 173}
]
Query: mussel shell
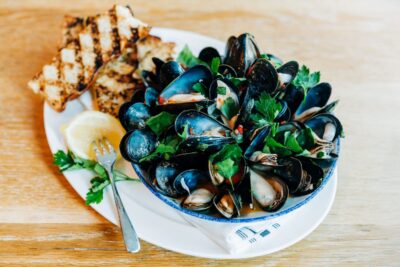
[
  {"x": 202, "y": 130},
  {"x": 138, "y": 144},
  {"x": 151, "y": 96},
  {"x": 220, "y": 100},
  {"x": 326, "y": 126},
  {"x": 291, "y": 171},
  {"x": 316, "y": 98},
  {"x": 270, "y": 192},
  {"x": 257, "y": 144},
  {"x": 227, "y": 71},
  {"x": 138, "y": 96},
  {"x": 316, "y": 173},
  {"x": 164, "y": 177},
  {"x": 207, "y": 54},
  {"x": 287, "y": 72},
  {"x": 187, "y": 181},
  {"x": 199, "y": 200},
  {"x": 262, "y": 77},
  {"x": 134, "y": 115},
  {"x": 293, "y": 96},
  {"x": 241, "y": 52},
  {"x": 169, "y": 71},
  {"x": 184, "y": 83},
  {"x": 284, "y": 114},
  {"x": 228, "y": 203}
]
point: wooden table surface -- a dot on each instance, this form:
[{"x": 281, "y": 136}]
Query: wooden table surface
[{"x": 355, "y": 45}]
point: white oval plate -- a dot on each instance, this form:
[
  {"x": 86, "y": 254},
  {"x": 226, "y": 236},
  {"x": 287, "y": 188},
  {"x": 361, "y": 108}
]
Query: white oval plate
[{"x": 160, "y": 224}]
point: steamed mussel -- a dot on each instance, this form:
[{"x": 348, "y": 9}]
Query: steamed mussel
[{"x": 230, "y": 133}]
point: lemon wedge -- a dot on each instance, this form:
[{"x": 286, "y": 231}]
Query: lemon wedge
[{"x": 88, "y": 127}]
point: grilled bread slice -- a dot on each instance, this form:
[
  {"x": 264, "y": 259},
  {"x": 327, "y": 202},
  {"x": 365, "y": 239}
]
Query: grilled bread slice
[
  {"x": 86, "y": 45},
  {"x": 116, "y": 81}
]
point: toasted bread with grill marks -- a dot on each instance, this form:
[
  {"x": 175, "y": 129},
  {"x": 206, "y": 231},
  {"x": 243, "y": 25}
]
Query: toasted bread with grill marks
[
  {"x": 86, "y": 45},
  {"x": 117, "y": 80}
]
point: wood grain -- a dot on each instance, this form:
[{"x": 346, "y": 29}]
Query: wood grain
[{"x": 355, "y": 45}]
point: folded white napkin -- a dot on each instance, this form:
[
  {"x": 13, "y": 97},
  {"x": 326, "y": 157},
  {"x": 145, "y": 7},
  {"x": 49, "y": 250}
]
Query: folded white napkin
[{"x": 235, "y": 238}]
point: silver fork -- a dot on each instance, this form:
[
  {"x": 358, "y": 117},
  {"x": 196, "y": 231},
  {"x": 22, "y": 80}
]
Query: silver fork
[{"x": 106, "y": 157}]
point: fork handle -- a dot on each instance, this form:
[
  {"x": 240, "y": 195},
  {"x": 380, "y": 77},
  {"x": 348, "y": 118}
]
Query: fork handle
[{"x": 128, "y": 231}]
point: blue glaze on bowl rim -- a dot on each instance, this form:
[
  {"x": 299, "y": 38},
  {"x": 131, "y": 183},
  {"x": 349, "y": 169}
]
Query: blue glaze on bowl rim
[{"x": 207, "y": 217}]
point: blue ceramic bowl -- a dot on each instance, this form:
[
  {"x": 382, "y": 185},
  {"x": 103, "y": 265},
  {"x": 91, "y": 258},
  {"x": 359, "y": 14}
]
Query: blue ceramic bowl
[{"x": 292, "y": 203}]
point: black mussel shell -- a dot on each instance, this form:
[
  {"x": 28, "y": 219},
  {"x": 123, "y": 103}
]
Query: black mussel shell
[
  {"x": 138, "y": 144},
  {"x": 241, "y": 52},
  {"x": 169, "y": 71},
  {"x": 164, "y": 177},
  {"x": 207, "y": 54},
  {"x": 187, "y": 181},
  {"x": 269, "y": 191},
  {"x": 256, "y": 159},
  {"x": 262, "y": 77},
  {"x": 326, "y": 126},
  {"x": 293, "y": 96},
  {"x": 158, "y": 63},
  {"x": 227, "y": 71},
  {"x": 316, "y": 98},
  {"x": 134, "y": 115},
  {"x": 138, "y": 96},
  {"x": 284, "y": 114},
  {"x": 228, "y": 203},
  {"x": 203, "y": 132},
  {"x": 151, "y": 96},
  {"x": 287, "y": 72},
  {"x": 150, "y": 79},
  {"x": 291, "y": 171}
]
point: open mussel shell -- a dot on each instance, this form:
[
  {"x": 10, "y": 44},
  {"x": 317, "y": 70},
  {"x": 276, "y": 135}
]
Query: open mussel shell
[
  {"x": 218, "y": 180},
  {"x": 180, "y": 95},
  {"x": 151, "y": 96},
  {"x": 269, "y": 191},
  {"x": 241, "y": 52},
  {"x": 326, "y": 126},
  {"x": 228, "y": 203},
  {"x": 227, "y": 71},
  {"x": 207, "y": 54},
  {"x": 287, "y": 72},
  {"x": 164, "y": 176},
  {"x": 226, "y": 99},
  {"x": 199, "y": 200},
  {"x": 315, "y": 100},
  {"x": 301, "y": 177},
  {"x": 256, "y": 159},
  {"x": 169, "y": 71},
  {"x": 284, "y": 114},
  {"x": 187, "y": 181},
  {"x": 203, "y": 132},
  {"x": 134, "y": 115},
  {"x": 138, "y": 144},
  {"x": 138, "y": 96}
]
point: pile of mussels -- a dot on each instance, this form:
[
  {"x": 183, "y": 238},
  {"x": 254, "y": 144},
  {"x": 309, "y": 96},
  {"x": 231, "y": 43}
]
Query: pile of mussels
[{"x": 228, "y": 134}]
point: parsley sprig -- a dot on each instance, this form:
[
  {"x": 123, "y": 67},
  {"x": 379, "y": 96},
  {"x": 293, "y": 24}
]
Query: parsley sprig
[
  {"x": 69, "y": 161},
  {"x": 266, "y": 110},
  {"x": 305, "y": 79}
]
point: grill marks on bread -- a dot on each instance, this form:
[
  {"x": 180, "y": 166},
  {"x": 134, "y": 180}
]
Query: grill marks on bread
[{"x": 86, "y": 45}]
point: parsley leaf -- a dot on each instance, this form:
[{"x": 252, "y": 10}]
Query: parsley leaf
[
  {"x": 165, "y": 149},
  {"x": 229, "y": 108},
  {"x": 160, "y": 122},
  {"x": 69, "y": 161},
  {"x": 305, "y": 79},
  {"x": 187, "y": 58},
  {"x": 237, "y": 81},
  {"x": 267, "y": 108},
  {"x": 215, "y": 64},
  {"x": 227, "y": 160},
  {"x": 201, "y": 88},
  {"x": 221, "y": 90},
  {"x": 274, "y": 60}
]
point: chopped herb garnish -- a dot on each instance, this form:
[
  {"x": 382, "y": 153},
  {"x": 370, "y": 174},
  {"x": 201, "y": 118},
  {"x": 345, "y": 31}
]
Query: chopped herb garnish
[
  {"x": 305, "y": 79},
  {"x": 200, "y": 88},
  {"x": 187, "y": 58},
  {"x": 160, "y": 122},
  {"x": 267, "y": 108},
  {"x": 221, "y": 90},
  {"x": 215, "y": 64},
  {"x": 274, "y": 60},
  {"x": 227, "y": 160},
  {"x": 237, "y": 81},
  {"x": 165, "y": 149},
  {"x": 69, "y": 161},
  {"x": 229, "y": 108}
]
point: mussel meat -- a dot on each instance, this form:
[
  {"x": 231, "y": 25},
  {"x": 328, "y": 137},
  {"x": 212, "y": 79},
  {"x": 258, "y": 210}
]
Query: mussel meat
[{"x": 228, "y": 203}]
